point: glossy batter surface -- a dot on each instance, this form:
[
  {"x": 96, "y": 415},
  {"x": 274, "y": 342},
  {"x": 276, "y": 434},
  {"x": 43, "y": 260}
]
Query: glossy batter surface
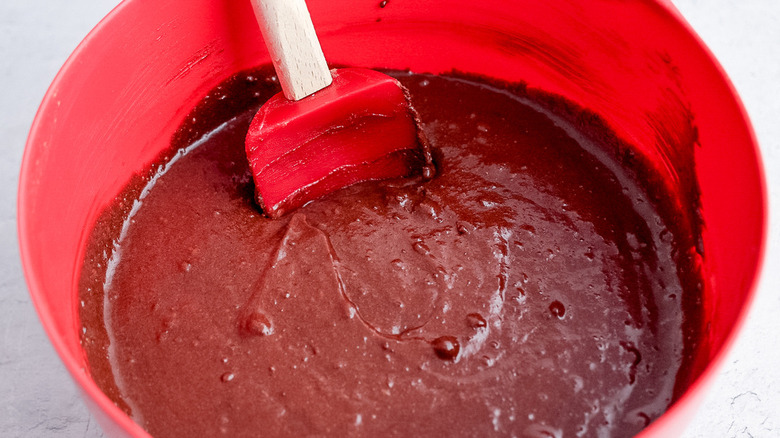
[{"x": 530, "y": 289}]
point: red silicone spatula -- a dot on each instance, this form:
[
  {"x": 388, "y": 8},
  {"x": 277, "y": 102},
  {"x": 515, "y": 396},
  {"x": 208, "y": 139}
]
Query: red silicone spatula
[{"x": 328, "y": 129}]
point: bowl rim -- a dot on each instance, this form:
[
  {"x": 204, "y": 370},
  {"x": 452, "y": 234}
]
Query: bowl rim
[
  {"x": 85, "y": 384},
  {"x": 694, "y": 394}
]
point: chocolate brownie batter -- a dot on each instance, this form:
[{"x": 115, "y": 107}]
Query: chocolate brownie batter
[{"x": 531, "y": 289}]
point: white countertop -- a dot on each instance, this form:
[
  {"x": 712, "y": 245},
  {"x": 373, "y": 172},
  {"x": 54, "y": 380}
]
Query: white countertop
[{"x": 37, "y": 397}]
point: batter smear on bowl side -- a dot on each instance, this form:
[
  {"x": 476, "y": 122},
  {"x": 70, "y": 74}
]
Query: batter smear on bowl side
[{"x": 532, "y": 288}]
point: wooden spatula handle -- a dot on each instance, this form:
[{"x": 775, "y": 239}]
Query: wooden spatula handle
[{"x": 295, "y": 51}]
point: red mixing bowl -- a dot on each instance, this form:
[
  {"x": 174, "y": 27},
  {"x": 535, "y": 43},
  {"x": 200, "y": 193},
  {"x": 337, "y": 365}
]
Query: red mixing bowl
[{"x": 117, "y": 101}]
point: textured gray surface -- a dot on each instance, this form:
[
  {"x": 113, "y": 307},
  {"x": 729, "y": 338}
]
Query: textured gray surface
[{"x": 37, "y": 397}]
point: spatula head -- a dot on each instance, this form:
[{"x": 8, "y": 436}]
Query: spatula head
[{"x": 360, "y": 128}]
